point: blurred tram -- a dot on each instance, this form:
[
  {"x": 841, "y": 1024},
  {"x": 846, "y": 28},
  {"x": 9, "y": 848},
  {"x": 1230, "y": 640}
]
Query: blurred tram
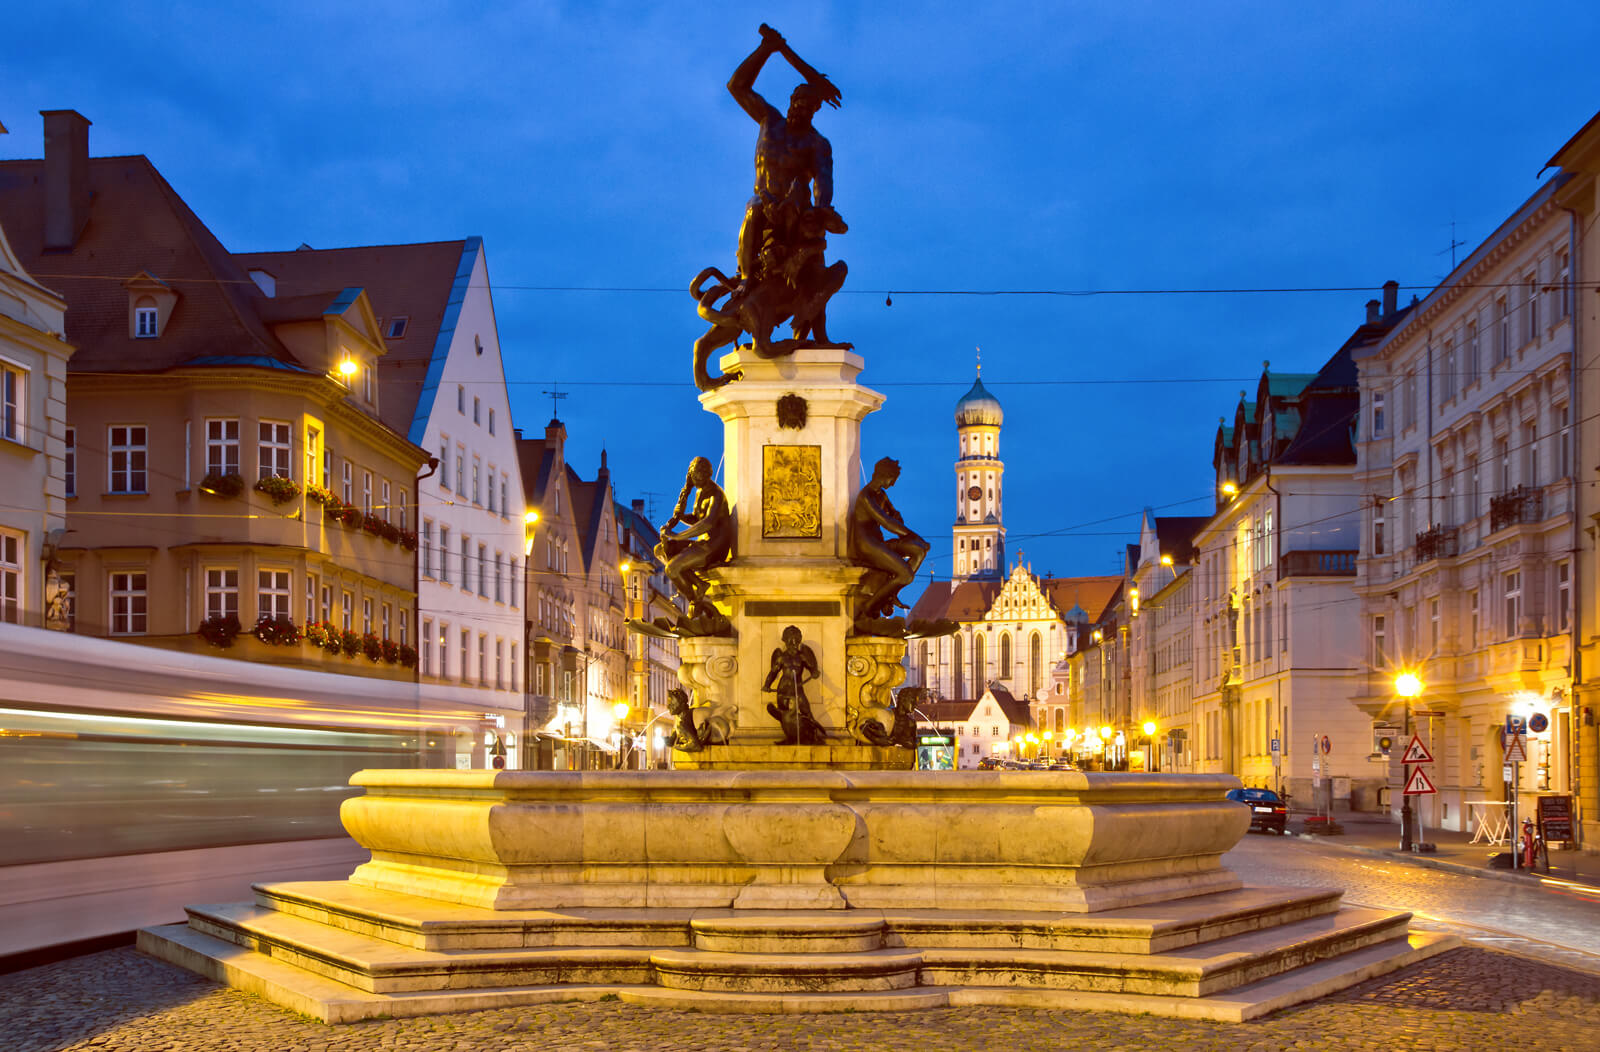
[{"x": 135, "y": 781}]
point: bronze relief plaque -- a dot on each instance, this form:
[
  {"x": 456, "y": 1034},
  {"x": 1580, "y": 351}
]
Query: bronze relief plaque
[{"x": 791, "y": 492}]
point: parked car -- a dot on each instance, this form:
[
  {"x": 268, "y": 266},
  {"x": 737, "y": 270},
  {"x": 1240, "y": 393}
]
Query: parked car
[
  {"x": 989, "y": 763},
  {"x": 1268, "y": 812}
]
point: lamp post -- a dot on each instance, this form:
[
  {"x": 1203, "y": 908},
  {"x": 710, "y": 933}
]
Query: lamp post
[
  {"x": 1149, "y": 745},
  {"x": 1407, "y": 685},
  {"x": 1105, "y": 744}
]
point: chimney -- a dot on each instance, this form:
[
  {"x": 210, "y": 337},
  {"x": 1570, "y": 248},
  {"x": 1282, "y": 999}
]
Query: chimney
[
  {"x": 1391, "y": 289},
  {"x": 516, "y": 433},
  {"x": 66, "y": 177},
  {"x": 638, "y": 505},
  {"x": 603, "y": 469},
  {"x": 1372, "y": 311}
]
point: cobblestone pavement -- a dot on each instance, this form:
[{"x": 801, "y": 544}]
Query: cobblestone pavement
[
  {"x": 1472, "y": 998},
  {"x": 1469, "y": 999},
  {"x": 1552, "y": 920}
]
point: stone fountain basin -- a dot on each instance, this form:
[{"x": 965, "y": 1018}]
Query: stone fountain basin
[{"x": 1035, "y": 840}]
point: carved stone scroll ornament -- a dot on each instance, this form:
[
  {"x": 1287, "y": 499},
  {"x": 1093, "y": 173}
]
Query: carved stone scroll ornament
[
  {"x": 873, "y": 667},
  {"x": 706, "y": 670}
]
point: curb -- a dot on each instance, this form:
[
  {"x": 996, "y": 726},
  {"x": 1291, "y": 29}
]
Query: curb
[{"x": 1432, "y": 862}]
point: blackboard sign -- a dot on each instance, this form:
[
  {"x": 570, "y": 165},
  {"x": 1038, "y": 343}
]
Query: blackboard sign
[{"x": 1555, "y": 817}]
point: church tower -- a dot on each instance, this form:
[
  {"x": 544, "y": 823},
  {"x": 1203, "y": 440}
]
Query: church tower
[{"x": 978, "y": 547}]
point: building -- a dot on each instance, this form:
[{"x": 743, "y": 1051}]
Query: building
[
  {"x": 441, "y": 383},
  {"x": 1014, "y": 625},
  {"x": 996, "y": 724},
  {"x": 652, "y": 660},
  {"x": 1278, "y": 656},
  {"x": 33, "y": 447},
  {"x": 1160, "y": 601},
  {"x": 1579, "y": 161},
  {"x": 1467, "y": 472},
  {"x": 224, "y": 452},
  {"x": 596, "y": 580}
]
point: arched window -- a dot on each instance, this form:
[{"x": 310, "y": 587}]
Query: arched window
[
  {"x": 922, "y": 663},
  {"x": 1005, "y": 655},
  {"x": 980, "y": 666},
  {"x": 956, "y": 684},
  {"x": 1061, "y": 720},
  {"x": 1035, "y": 664}
]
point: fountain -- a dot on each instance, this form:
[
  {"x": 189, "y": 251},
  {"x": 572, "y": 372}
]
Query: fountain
[{"x": 793, "y": 861}]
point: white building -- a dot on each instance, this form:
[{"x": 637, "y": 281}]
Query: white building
[
  {"x": 442, "y": 385},
  {"x": 34, "y": 457},
  {"x": 1468, "y": 474}
]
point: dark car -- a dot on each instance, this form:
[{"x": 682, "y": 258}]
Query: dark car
[{"x": 1268, "y": 812}]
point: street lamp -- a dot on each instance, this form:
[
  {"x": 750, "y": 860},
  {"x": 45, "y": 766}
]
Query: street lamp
[
  {"x": 1149, "y": 744},
  {"x": 1105, "y": 745},
  {"x": 1407, "y": 685}
]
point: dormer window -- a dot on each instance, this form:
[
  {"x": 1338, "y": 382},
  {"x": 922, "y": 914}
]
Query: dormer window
[
  {"x": 397, "y": 328},
  {"x": 144, "y": 321}
]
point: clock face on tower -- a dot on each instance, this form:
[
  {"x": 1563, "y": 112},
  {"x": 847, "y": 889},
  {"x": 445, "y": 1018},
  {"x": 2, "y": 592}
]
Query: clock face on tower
[{"x": 974, "y": 493}]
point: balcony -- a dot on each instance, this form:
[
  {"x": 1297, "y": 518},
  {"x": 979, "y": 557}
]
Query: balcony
[
  {"x": 1440, "y": 542},
  {"x": 1317, "y": 564},
  {"x": 1520, "y": 505}
]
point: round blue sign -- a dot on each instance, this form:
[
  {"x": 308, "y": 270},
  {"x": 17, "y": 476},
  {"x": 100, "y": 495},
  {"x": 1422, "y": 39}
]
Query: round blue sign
[{"x": 1537, "y": 723}]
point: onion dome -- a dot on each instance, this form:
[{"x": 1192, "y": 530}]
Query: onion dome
[{"x": 978, "y": 406}]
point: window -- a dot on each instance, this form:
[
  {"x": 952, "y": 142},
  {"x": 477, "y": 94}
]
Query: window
[
  {"x": 1409, "y": 407},
  {"x": 427, "y": 647},
  {"x": 313, "y": 453},
  {"x": 1502, "y": 330},
  {"x": 346, "y": 489},
  {"x": 499, "y": 664},
  {"x": 498, "y": 593},
  {"x": 1380, "y": 656},
  {"x": 347, "y": 609},
  {"x": 405, "y": 625},
  {"x": 1563, "y": 286},
  {"x": 405, "y": 507},
  {"x": 272, "y": 594},
  {"x": 427, "y": 548},
  {"x": 461, "y": 475},
  {"x": 475, "y": 409},
  {"x": 505, "y": 505},
  {"x": 1502, "y": 456},
  {"x": 461, "y": 399},
  {"x": 466, "y": 653},
  {"x": 385, "y": 496},
  {"x": 1472, "y": 607},
  {"x": 1563, "y": 596},
  {"x": 444, "y": 649},
  {"x": 327, "y": 469},
  {"x": 444, "y": 464},
  {"x": 483, "y": 573},
  {"x": 397, "y": 328},
  {"x": 491, "y": 431},
  {"x": 1511, "y": 591},
  {"x": 366, "y": 616},
  {"x": 127, "y": 462},
  {"x": 383, "y": 620},
  {"x": 1530, "y": 454},
  {"x": 1470, "y": 363},
  {"x": 476, "y": 470},
  {"x": 222, "y": 593},
  {"x": 144, "y": 322},
  {"x": 1377, "y": 532},
  {"x": 366, "y": 493},
  {"x": 366, "y": 381},
  {"x": 311, "y": 598},
  {"x": 514, "y": 666},
  {"x": 13, "y": 402},
  {"x": 1563, "y": 465},
  {"x": 1531, "y": 305},
  {"x": 222, "y": 447},
  {"x": 444, "y": 554},
  {"x": 72, "y": 462},
  {"x": 274, "y": 449},
  {"x": 1475, "y": 490},
  {"x": 1448, "y": 373},
  {"x": 466, "y": 577},
  {"x": 515, "y": 589},
  {"x": 1377, "y": 414},
  {"x": 129, "y": 604},
  {"x": 327, "y": 604},
  {"x": 491, "y": 487},
  {"x": 11, "y": 578},
  {"x": 1433, "y": 625}
]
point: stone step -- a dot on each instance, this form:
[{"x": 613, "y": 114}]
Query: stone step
[
  {"x": 377, "y": 966},
  {"x": 910, "y": 1000},
  {"x": 716, "y": 972},
  {"x": 421, "y": 923},
  {"x": 334, "y": 1002},
  {"x": 429, "y": 924},
  {"x": 1195, "y": 971}
]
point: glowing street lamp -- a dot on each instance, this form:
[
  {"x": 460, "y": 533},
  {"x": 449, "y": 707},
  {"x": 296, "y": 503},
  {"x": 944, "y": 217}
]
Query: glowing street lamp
[
  {"x": 1230, "y": 489},
  {"x": 1407, "y": 685}
]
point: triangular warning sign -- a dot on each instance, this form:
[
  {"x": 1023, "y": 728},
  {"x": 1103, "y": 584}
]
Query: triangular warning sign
[
  {"x": 1516, "y": 749},
  {"x": 1419, "y": 784},
  {"x": 1417, "y": 752}
]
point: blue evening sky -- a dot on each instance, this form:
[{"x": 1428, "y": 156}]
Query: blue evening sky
[{"x": 995, "y": 146}]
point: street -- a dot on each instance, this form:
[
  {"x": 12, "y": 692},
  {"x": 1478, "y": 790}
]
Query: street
[{"x": 1468, "y": 999}]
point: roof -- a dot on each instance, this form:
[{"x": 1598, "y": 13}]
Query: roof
[
  {"x": 979, "y": 406},
  {"x": 970, "y": 600},
  {"x": 138, "y": 224},
  {"x": 588, "y": 504},
  {"x": 536, "y": 461},
  {"x": 424, "y": 283},
  {"x": 945, "y": 711},
  {"x": 1175, "y": 535},
  {"x": 1015, "y": 709}
]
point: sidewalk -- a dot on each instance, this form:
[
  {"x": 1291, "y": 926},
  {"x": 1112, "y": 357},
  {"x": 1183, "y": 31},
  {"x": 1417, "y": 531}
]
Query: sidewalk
[{"x": 1377, "y": 834}]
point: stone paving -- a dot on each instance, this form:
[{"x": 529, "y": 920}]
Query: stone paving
[{"x": 1467, "y": 999}]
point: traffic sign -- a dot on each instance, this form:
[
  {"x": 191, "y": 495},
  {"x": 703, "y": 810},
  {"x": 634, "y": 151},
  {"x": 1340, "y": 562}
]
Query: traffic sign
[
  {"x": 1327, "y": 744},
  {"x": 1506, "y": 774},
  {"x": 1538, "y": 723},
  {"x": 1417, "y": 752},
  {"x": 1516, "y": 749},
  {"x": 1516, "y": 725},
  {"x": 1419, "y": 784},
  {"x": 1277, "y": 745}
]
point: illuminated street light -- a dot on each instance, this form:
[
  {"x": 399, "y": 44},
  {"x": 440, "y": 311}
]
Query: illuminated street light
[
  {"x": 348, "y": 367},
  {"x": 1166, "y": 560},
  {"x": 1230, "y": 489},
  {"x": 1408, "y": 685},
  {"x": 620, "y": 710},
  {"x": 531, "y": 518}
]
